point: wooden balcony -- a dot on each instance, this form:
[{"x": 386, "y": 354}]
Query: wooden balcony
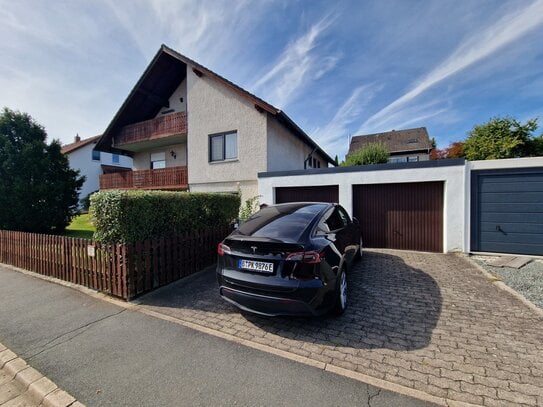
[
  {"x": 163, "y": 126},
  {"x": 174, "y": 178}
]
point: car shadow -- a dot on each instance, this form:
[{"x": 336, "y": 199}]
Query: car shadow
[{"x": 391, "y": 305}]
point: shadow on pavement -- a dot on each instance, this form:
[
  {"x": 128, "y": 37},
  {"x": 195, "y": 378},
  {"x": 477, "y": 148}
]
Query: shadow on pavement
[{"x": 391, "y": 305}]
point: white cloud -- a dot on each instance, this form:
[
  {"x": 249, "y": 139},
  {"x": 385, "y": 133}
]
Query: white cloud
[
  {"x": 333, "y": 135},
  {"x": 477, "y": 47},
  {"x": 299, "y": 63}
]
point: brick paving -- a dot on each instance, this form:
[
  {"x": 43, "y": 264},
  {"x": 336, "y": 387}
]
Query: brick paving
[{"x": 430, "y": 322}]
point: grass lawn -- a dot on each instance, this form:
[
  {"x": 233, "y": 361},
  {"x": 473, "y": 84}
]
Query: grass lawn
[{"x": 81, "y": 227}]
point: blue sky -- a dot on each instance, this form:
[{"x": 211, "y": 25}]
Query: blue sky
[{"x": 336, "y": 68}]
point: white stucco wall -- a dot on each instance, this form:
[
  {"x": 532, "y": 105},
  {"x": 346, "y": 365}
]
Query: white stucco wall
[
  {"x": 81, "y": 159},
  {"x": 454, "y": 210},
  {"x": 142, "y": 160},
  {"x": 175, "y": 100},
  {"x": 213, "y": 108},
  {"x": 286, "y": 151}
]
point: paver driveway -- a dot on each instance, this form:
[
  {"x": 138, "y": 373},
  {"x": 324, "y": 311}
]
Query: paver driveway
[{"x": 431, "y": 322}]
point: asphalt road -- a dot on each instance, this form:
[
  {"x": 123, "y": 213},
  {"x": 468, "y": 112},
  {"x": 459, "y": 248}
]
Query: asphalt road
[{"x": 105, "y": 355}]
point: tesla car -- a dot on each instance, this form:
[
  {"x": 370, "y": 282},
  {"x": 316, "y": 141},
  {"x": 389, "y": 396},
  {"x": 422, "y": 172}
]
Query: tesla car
[{"x": 290, "y": 259}]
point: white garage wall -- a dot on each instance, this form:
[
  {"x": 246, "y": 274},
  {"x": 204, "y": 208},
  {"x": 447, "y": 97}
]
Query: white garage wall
[{"x": 453, "y": 176}]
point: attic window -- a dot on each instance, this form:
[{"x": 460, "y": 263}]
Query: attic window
[{"x": 412, "y": 141}]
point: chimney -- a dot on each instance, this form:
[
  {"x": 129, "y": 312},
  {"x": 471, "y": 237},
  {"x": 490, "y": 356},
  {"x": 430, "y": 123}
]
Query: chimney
[{"x": 77, "y": 138}]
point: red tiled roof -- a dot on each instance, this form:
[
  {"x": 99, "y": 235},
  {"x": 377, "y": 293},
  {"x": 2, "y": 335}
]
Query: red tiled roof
[{"x": 68, "y": 148}]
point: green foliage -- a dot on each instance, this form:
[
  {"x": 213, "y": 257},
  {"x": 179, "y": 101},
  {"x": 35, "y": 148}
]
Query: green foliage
[
  {"x": 375, "y": 153},
  {"x": 249, "y": 207},
  {"x": 503, "y": 137},
  {"x": 85, "y": 202},
  {"x": 130, "y": 216},
  {"x": 38, "y": 190}
]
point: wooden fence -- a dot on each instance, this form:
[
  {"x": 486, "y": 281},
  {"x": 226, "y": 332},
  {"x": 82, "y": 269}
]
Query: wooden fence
[{"x": 121, "y": 270}]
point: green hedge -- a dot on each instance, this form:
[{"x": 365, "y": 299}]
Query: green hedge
[{"x": 130, "y": 216}]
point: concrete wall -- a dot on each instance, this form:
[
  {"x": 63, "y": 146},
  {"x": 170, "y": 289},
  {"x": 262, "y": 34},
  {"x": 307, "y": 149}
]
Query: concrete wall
[
  {"x": 142, "y": 160},
  {"x": 81, "y": 159},
  {"x": 453, "y": 177},
  {"x": 213, "y": 108},
  {"x": 456, "y": 178},
  {"x": 285, "y": 150}
]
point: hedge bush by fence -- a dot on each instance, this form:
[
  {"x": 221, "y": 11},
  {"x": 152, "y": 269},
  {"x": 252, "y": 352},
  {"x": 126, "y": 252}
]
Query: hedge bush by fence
[{"x": 131, "y": 216}]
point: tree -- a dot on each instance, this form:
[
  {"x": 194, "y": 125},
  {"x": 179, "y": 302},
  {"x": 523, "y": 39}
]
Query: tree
[
  {"x": 38, "y": 190},
  {"x": 374, "y": 153},
  {"x": 455, "y": 150},
  {"x": 503, "y": 137}
]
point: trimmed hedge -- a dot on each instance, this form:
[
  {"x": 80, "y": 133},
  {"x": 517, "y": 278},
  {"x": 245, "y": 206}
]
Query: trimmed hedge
[{"x": 131, "y": 216}]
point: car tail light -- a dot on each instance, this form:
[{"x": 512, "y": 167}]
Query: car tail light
[
  {"x": 223, "y": 249},
  {"x": 306, "y": 257}
]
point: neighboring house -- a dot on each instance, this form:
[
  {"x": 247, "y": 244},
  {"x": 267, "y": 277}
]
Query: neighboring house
[
  {"x": 404, "y": 145},
  {"x": 92, "y": 163},
  {"x": 188, "y": 128}
]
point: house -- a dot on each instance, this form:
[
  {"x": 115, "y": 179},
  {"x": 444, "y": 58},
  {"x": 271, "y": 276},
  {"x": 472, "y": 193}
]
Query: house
[
  {"x": 404, "y": 145},
  {"x": 92, "y": 163},
  {"x": 188, "y": 128}
]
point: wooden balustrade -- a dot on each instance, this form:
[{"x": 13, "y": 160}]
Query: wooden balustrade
[
  {"x": 163, "y": 178},
  {"x": 163, "y": 126}
]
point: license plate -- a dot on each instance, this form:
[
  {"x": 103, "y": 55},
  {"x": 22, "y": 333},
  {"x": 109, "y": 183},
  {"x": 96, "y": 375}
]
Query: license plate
[{"x": 260, "y": 266}]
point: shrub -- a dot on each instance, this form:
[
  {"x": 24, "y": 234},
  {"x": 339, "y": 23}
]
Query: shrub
[
  {"x": 375, "y": 153},
  {"x": 130, "y": 216}
]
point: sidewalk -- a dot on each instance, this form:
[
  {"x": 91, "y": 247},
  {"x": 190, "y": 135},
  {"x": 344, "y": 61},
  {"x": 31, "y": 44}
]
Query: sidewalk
[
  {"x": 105, "y": 355},
  {"x": 23, "y": 386}
]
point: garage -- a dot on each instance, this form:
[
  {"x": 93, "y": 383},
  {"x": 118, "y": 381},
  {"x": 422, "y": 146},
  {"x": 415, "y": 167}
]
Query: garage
[
  {"x": 406, "y": 216},
  {"x": 322, "y": 193},
  {"x": 507, "y": 211}
]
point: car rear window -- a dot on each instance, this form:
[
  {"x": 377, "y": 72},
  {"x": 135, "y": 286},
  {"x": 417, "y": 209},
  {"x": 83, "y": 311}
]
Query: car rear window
[{"x": 282, "y": 222}]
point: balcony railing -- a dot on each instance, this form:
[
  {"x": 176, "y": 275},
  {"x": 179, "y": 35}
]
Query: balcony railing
[
  {"x": 163, "y": 178},
  {"x": 163, "y": 126}
]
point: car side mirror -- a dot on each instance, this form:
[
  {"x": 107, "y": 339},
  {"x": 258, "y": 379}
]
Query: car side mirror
[{"x": 355, "y": 221}]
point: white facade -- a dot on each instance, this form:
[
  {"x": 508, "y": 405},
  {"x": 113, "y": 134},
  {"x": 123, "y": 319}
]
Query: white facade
[
  {"x": 456, "y": 179},
  {"x": 81, "y": 159}
]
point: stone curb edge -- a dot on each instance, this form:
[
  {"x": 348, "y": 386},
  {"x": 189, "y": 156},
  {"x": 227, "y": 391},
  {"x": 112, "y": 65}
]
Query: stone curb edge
[
  {"x": 501, "y": 285},
  {"x": 37, "y": 387},
  {"x": 360, "y": 377}
]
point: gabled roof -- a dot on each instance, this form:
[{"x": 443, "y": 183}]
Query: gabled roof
[
  {"x": 397, "y": 141},
  {"x": 161, "y": 78},
  {"x": 69, "y": 148}
]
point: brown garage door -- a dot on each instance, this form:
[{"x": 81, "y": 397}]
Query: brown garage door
[
  {"x": 326, "y": 193},
  {"x": 401, "y": 216}
]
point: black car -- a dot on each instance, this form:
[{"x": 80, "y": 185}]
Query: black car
[{"x": 290, "y": 259}]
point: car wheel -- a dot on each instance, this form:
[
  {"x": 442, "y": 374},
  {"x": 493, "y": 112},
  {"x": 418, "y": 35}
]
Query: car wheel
[{"x": 341, "y": 294}]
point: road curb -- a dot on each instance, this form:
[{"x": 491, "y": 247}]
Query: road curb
[
  {"x": 39, "y": 388},
  {"x": 502, "y": 286}
]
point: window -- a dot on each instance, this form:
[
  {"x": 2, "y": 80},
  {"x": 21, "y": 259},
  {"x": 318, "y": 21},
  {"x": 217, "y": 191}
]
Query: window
[
  {"x": 397, "y": 160},
  {"x": 413, "y": 159},
  {"x": 337, "y": 219},
  {"x": 95, "y": 155},
  {"x": 115, "y": 158},
  {"x": 158, "y": 160},
  {"x": 223, "y": 146}
]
